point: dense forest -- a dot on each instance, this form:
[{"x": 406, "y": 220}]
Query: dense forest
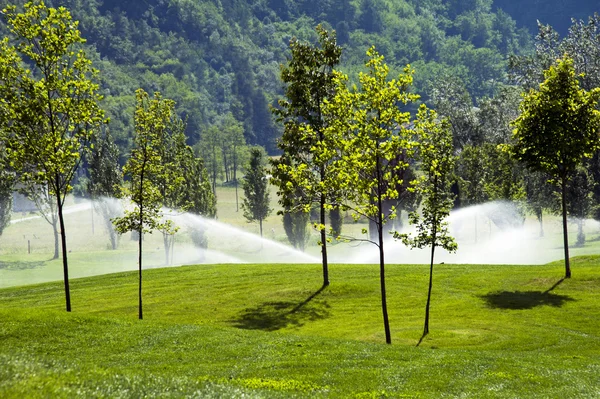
[
  {"x": 216, "y": 58},
  {"x": 219, "y": 57}
]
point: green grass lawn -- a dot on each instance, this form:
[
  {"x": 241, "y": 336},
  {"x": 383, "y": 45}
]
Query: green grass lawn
[{"x": 268, "y": 330}]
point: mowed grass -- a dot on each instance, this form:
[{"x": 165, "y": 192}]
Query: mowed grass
[{"x": 271, "y": 331}]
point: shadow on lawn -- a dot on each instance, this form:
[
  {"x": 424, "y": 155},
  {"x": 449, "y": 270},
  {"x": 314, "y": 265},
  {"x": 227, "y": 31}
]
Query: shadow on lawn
[
  {"x": 21, "y": 265},
  {"x": 275, "y": 315},
  {"x": 525, "y": 299}
]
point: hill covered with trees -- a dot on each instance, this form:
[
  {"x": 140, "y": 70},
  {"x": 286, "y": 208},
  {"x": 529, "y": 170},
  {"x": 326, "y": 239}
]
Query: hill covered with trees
[{"x": 220, "y": 57}]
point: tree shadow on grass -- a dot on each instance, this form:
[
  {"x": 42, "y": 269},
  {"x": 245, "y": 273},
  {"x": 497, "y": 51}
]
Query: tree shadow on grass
[
  {"x": 518, "y": 300},
  {"x": 21, "y": 265},
  {"x": 275, "y": 315}
]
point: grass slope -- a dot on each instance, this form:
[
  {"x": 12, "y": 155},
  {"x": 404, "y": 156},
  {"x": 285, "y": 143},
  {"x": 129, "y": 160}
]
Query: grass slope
[{"x": 269, "y": 331}]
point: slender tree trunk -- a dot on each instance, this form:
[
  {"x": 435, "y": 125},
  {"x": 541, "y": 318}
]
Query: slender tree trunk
[
  {"x": 56, "y": 239},
  {"x": 540, "y": 219},
  {"x": 323, "y": 242},
  {"x": 260, "y": 225},
  {"x": 426, "y": 326},
  {"x": 565, "y": 230},
  {"x": 63, "y": 237},
  {"x": 386, "y": 321},
  {"x": 140, "y": 314}
]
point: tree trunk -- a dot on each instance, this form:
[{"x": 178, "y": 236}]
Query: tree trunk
[
  {"x": 540, "y": 219},
  {"x": 56, "y": 245},
  {"x": 63, "y": 237},
  {"x": 140, "y": 314},
  {"x": 386, "y": 321},
  {"x": 565, "y": 230},
  {"x": 260, "y": 225},
  {"x": 426, "y": 326},
  {"x": 323, "y": 240}
]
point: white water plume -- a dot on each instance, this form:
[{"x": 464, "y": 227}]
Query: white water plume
[{"x": 491, "y": 233}]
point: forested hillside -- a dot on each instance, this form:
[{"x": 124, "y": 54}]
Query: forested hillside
[{"x": 214, "y": 57}]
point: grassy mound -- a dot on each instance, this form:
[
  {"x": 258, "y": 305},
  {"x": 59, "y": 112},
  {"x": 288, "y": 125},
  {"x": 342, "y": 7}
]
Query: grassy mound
[{"x": 271, "y": 331}]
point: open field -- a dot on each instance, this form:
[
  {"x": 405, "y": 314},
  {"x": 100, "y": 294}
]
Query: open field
[{"x": 268, "y": 331}]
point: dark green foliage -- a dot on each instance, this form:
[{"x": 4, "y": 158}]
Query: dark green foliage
[
  {"x": 6, "y": 193},
  {"x": 256, "y": 189},
  {"x": 336, "y": 219},
  {"x": 295, "y": 224},
  {"x": 218, "y": 57}
]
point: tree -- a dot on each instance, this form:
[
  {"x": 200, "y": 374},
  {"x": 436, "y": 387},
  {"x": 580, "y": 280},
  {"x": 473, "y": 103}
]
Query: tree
[
  {"x": 232, "y": 147},
  {"x": 580, "y": 200},
  {"x": 437, "y": 164},
  {"x": 174, "y": 154},
  {"x": 143, "y": 168},
  {"x": 539, "y": 194},
  {"x": 104, "y": 181},
  {"x": 6, "y": 192},
  {"x": 309, "y": 79},
  {"x": 557, "y": 128},
  {"x": 198, "y": 196},
  {"x": 54, "y": 108},
  {"x": 256, "y": 190},
  {"x": 295, "y": 224},
  {"x": 372, "y": 131}
]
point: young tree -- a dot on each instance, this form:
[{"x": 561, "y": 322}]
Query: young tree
[
  {"x": 143, "y": 168},
  {"x": 256, "y": 190},
  {"x": 372, "y": 131},
  {"x": 53, "y": 107},
  {"x": 309, "y": 78},
  {"x": 437, "y": 164},
  {"x": 557, "y": 128},
  {"x": 104, "y": 181}
]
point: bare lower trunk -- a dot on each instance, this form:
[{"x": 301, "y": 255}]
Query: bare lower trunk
[
  {"x": 140, "y": 314},
  {"x": 386, "y": 321},
  {"x": 324, "y": 243},
  {"x": 426, "y": 326},
  {"x": 56, "y": 240},
  {"x": 63, "y": 237},
  {"x": 565, "y": 230}
]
